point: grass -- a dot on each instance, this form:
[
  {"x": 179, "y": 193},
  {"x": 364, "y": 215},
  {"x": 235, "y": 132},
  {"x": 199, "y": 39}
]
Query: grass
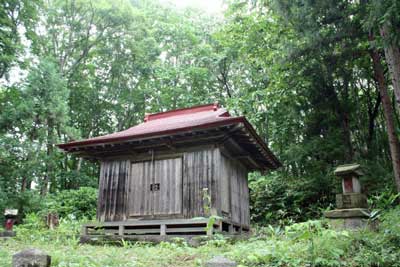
[
  {"x": 310, "y": 244},
  {"x": 140, "y": 254},
  {"x": 96, "y": 256}
]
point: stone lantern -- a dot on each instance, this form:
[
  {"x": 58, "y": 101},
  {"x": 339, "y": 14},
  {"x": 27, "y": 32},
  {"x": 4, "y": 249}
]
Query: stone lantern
[
  {"x": 351, "y": 206},
  {"x": 10, "y": 215}
]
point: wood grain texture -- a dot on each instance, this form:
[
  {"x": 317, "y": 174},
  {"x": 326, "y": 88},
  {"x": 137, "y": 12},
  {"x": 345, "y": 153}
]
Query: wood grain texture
[
  {"x": 167, "y": 173},
  {"x": 112, "y": 190},
  {"x": 234, "y": 191},
  {"x": 124, "y": 187},
  {"x": 200, "y": 173}
]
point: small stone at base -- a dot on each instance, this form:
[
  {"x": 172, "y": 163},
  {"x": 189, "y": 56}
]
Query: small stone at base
[
  {"x": 7, "y": 234},
  {"x": 31, "y": 257},
  {"x": 220, "y": 261}
]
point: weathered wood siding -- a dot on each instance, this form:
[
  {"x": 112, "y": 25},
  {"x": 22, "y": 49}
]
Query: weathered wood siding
[
  {"x": 199, "y": 173},
  {"x": 225, "y": 186},
  {"x": 125, "y": 187},
  {"x": 168, "y": 174},
  {"x": 113, "y": 190},
  {"x": 139, "y": 195},
  {"x": 167, "y": 200},
  {"x": 234, "y": 191}
]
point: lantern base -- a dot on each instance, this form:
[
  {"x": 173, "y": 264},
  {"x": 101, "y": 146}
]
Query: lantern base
[
  {"x": 7, "y": 234},
  {"x": 348, "y": 218},
  {"x": 347, "y": 213},
  {"x": 351, "y": 201}
]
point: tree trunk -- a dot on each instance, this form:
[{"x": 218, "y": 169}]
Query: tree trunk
[
  {"x": 392, "y": 56},
  {"x": 49, "y": 163},
  {"x": 24, "y": 183},
  {"x": 340, "y": 108},
  {"x": 372, "y": 114},
  {"x": 389, "y": 115}
]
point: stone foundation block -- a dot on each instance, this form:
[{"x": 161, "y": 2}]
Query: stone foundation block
[
  {"x": 31, "y": 258},
  {"x": 220, "y": 261},
  {"x": 7, "y": 234},
  {"x": 351, "y": 200}
]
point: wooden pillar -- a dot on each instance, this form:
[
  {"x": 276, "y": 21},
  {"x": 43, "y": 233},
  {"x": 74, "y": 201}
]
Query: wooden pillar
[
  {"x": 84, "y": 230},
  {"x": 121, "y": 230},
  {"x": 220, "y": 226},
  {"x": 231, "y": 229},
  {"x": 163, "y": 229}
]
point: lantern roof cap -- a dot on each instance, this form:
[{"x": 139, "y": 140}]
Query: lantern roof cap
[{"x": 345, "y": 169}]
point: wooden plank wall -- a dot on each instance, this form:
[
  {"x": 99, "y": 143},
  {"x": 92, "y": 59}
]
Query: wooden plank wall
[
  {"x": 225, "y": 187},
  {"x": 199, "y": 172},
  {"x": 235, "y": 194},
  {"x": 168, "y": 200},
  {"x": 112, "y": 190},
  {"x": 165, "y": 201},
  {"x": 139, "y": 195},
  {"x": 225, "y": 178}
]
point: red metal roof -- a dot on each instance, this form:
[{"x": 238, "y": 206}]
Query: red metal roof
[
  {"x": 167, "y": 122},
  {"x": 171, "y": 122}
]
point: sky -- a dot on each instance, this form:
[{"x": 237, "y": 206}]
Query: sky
[
  {"x": 214, "y": 7},
  {"x": 209, "y": 6}
]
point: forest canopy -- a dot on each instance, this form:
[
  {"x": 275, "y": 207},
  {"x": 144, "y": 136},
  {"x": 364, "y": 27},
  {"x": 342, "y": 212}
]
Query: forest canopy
[{"x": 319, "y": 80}]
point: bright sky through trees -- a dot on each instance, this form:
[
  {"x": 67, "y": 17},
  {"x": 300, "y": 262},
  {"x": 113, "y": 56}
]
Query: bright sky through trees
[{"x": 210, "y": 6}]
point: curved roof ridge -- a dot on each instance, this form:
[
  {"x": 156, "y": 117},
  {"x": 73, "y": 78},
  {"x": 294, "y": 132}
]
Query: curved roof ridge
[{"x": 181, "y": 111}]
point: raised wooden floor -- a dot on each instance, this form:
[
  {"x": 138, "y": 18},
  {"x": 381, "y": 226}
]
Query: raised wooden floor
[{"x": 168, "y": 227}]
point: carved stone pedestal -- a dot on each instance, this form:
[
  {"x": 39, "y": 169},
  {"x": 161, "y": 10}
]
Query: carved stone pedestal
[
  {"x": 354, "y": 218},
  {"x": 352, "y": 206}
]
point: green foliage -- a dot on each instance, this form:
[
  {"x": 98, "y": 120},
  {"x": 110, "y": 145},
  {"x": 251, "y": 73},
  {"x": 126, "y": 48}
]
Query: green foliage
[
  {"x": 390, "y": 226},
  {"x": 372, "y": 249},
  {"x": 26, "y": 202},
  {"x": 78, "y": 204},
  {"x": 279, "y": 199},
  {"x": 384, "y": 200},
  {"x": 312, "y": 243},
  {"x": 300, "y": 71},
  {"x": 16, "y": 15},
  {"x": 34, "y": 229}
]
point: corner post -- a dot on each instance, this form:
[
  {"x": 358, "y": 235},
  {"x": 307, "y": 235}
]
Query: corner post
[
  {"x": 163, "y": 229},
  {"x": 121, "y": 230}
]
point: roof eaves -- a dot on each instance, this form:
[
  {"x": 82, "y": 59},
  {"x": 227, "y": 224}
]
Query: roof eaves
[
  {"x": 153, "y": 134},
  {"x": 274, "y": 160}
]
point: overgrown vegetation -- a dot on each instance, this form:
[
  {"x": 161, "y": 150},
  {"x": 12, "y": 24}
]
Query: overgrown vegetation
[
  {"x": 317, "y": 79},
  {"x": 312, "y": 243},
  {"x": 312, "y": 77}
]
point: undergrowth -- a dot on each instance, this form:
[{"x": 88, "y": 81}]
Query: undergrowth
[{"x": 308, "y": 244}]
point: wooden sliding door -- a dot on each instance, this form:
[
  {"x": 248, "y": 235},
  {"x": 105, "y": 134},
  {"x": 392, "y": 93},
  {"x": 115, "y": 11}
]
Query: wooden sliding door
[{"x": 155, "y": 188}]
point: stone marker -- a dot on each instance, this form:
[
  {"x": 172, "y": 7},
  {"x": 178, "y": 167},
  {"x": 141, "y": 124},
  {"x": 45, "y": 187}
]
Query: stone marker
[
  {"x": 219, "y": 261},
  {"x": 7, "y": 234},
  {"x": 351, "y": 206},
  {"x": 31, "y": 258}
]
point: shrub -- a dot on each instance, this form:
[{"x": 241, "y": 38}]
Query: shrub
[
  {"x": 283, "y": 200},
  {"x": 390, "y": 226},
  {"x": 79, "y": 203},
  {"x": 26, "y": 202},
  {"x": 384, "y": 200},
  {"x": 34, "y": 229}
]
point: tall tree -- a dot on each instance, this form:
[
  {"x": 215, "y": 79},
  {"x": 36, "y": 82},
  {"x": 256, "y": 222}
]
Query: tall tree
[
  {"x": 16, "y": 16},
  {"x": 46, "y": 110},
  {"x": 384, "y": 14},
  {"x": 389, "y": 115}
]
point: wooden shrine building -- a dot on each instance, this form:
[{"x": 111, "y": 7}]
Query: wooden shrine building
[{"x": 156, "y": 177}]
